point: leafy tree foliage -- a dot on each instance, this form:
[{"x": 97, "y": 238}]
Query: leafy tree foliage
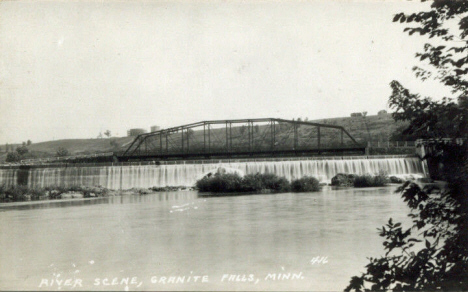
[
  {"x": 62, "y": 152},
  {"x": 13, "y": 157},
  {"x": 398, "y": 135},
  {"x": 428, "y": 118},
  {"x": 305, "y": 184},
  {"x": 433, "y": 253},
  {"x": 446, "y": 60},
  {"x": 22, "y": 150}
]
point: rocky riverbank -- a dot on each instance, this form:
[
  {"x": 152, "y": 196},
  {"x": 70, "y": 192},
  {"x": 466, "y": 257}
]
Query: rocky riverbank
[{"x": 25, "y": 194}]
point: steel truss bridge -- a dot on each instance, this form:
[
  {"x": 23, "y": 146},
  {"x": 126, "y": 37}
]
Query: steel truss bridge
[{"x": 266, "y": 137}]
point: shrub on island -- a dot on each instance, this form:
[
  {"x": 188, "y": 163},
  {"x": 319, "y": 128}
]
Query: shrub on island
[
  {"x": 367, "y": 180},
  {"x": 233, "y": 182},
  {"x": 305, "y": 184},
  {"x": 343, "y": 180},
  {"x": 228, "y": 182},
  {"x": 251, "y": 183},
  {"x": 396, "y": 180},
  {"x": 264, "y": 181},
  {"x": 273, "y": 182},
  {"x": 362, "y": 181},
  {"x": 255, "y": 183}
]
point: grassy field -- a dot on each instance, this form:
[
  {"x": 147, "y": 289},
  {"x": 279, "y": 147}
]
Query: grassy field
[
  {"x": 74, "y": 146},
  {"x": 82, "y": 146},
  {"x": 374, "y": 128}
]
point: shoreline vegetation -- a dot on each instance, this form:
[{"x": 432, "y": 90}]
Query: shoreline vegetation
[
  {"x": 212, "y": 185},
  {"x": 22, "y": 193}
]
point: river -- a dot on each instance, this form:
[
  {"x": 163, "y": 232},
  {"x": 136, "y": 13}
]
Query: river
[{"x": 180, "y": 241}]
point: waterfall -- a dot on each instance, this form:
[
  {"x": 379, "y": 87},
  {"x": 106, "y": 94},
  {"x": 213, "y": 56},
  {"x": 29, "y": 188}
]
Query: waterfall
[
  {"x": 8, "y": 177},
  {"x": 144, "y": 176}
]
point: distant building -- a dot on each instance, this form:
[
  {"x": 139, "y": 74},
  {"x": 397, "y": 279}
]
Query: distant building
[
  {"x": 356, "y": 115},
  {"x": 155, "y": 128},
  {"x": 135, "y": 132}
]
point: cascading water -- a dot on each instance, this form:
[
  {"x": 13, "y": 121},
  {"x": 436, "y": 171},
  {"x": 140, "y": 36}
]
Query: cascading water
[
  {"x": 144, "y": 176},
  {"x": 8, "y": 177}
]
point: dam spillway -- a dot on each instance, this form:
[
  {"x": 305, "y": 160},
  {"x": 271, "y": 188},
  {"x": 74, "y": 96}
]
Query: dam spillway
[{"x": 186, "y": 174}]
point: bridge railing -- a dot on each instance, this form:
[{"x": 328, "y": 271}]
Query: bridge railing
[
  {"x": 392, "y": 144},
  {"x": 64, "y": 158},
  {"x": 412, "y": 144},
  {"x": 458, "y": 141}
]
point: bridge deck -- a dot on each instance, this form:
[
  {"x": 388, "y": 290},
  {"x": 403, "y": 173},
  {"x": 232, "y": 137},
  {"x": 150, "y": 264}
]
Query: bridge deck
[{"x": 243, "y": 154}]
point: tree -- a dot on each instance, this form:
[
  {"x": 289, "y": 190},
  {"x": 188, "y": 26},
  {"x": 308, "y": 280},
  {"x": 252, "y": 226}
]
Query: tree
[
  {"x": 107, "y": 133},
  {"x": 22, "y": 150},
  {"x": 114, "y": 144},
  {"x": 29, "y": 142},
  {"x": 433, "y": 253},
  {"x": 398, "y": 134},
  {"x": 242, "y": 129},
  {"x": 13, "y": 157},
  {"x": 61, "y": 151},
  {"x": 429, "y": 119}
]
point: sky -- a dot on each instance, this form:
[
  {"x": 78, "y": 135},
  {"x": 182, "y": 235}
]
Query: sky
[{"x": 77, "y": 68}]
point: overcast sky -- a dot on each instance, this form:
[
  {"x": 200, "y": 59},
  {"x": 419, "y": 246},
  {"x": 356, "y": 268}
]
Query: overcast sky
[{"x": 74, "y": 69}]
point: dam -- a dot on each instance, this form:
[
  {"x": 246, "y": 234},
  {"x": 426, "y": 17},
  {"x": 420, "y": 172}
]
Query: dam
[{"x": 186, "y": 173}]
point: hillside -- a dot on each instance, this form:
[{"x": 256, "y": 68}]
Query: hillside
[
  {"x": 376, "y": 127},
  {"x": 74, "y": 146},
  {"x": 82, "y": 146},
  {"x": 379, "y": 127}
]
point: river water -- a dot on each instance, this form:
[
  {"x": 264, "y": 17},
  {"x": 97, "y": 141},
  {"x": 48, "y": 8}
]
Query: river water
[{"x": 180, "y": 241}]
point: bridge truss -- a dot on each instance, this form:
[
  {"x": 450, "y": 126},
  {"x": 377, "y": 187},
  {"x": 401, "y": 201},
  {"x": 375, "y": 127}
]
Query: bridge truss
[{"x": 242, "y": 138}]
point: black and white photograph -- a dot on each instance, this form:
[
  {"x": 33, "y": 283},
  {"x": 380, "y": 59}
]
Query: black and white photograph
[{"x": 233, "y": 145}]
